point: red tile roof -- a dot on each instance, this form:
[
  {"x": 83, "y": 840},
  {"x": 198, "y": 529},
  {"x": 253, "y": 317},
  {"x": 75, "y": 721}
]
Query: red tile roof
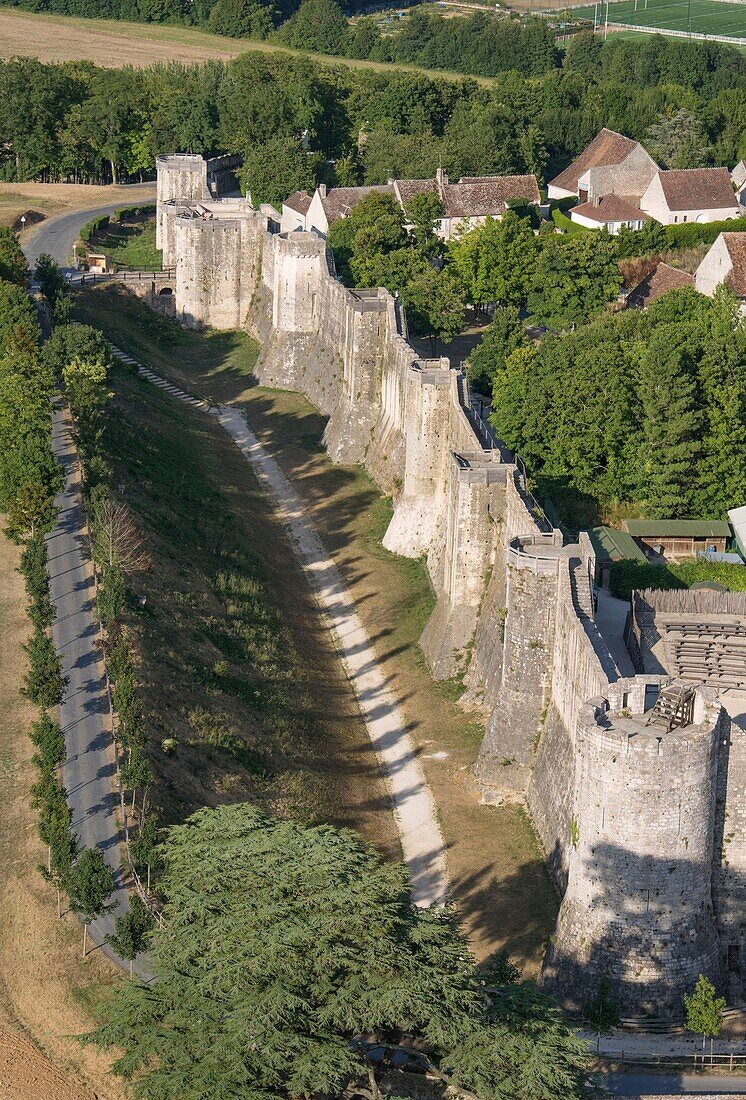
[
  {"x": 661, "y": 279},
  {"x": 298, "y": 201},
  {"x": 607, "y": 148},
  {"x": 340, "y": 200},
  {"x": 474, "y": 197},
  {"x": 736, "y": 245},
  {"x": 698, "y": 189},
  {"x": 610, "y": 209}
]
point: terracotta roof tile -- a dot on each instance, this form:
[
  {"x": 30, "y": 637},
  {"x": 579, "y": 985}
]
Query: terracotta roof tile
[
  {"x": 611, "y": 208},
  {"x": 340, "y": 200},
  {"x": 475, "y": 196},
  {"x": 697, "y": 188},
  {"x": 298, "y": 201},
  {"x": 607, "y": 148},
  {"x": 661, "y": 279},
  {"x": 736, "y": 245}
]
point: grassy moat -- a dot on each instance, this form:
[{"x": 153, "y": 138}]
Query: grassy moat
[{"x": 498, "y": 876}]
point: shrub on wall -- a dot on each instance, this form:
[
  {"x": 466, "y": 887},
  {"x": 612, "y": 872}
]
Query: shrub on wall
[
  {"x": 684, "y": 236},
  {"x": 629, "y": 575}
]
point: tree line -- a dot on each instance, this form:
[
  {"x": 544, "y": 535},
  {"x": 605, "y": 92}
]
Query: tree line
[
  {"x": 77, "y": 122},
  {"x": 30, "y": 477}
]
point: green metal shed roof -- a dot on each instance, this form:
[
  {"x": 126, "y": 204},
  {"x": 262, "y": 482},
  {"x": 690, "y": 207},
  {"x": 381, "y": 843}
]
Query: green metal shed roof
[
  {"x": 612, "y": 545},
  {"x": 668, "y": 528}
]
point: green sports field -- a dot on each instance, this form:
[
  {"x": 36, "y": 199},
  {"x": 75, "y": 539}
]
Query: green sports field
[{"x": 697, "y": 16}]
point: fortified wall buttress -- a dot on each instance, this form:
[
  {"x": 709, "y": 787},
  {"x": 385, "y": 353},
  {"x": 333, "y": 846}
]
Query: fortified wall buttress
[{"x": 631, "y": 821}]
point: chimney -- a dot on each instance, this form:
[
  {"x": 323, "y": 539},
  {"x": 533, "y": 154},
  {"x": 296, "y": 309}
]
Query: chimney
[
  {"x": 322, "y": 190},
  {"x": 440, "y": 177}
]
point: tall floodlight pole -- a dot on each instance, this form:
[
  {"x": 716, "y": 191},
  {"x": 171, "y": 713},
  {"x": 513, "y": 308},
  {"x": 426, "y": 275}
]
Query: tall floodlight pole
[
  {"x": 606, "y": 27},
  {"x": 689, "y": 17},
  {"x": 595, "y": 16}
]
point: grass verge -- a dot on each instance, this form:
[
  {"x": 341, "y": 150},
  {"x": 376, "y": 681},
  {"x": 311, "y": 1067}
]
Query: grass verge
[
  {"x": 47, "y": 992},
  {"x": 234, "y": 661},
  {"x": 498, "y": 876}
]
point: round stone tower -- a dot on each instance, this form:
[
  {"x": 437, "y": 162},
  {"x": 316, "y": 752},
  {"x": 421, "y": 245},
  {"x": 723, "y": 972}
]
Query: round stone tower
[{"x": 638, "y": 910}]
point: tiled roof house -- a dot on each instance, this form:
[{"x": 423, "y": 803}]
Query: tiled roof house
[
  {"x": 612, "y": 164},
  {"x": 690, "y": 195},
  {"x": 725, "y": 263}
]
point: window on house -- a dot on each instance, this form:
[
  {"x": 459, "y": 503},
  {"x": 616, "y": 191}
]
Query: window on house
[{"x": 676, "y": 217}]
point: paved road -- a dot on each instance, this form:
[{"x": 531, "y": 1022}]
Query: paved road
[
  {"x": 89, "y": 773},
  {"x": 58, "y": 235},
  {"x": 414, "y": 808},
  {"x": 637, "y": 1085}
]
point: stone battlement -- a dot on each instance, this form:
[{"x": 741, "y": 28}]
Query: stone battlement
[{"x": 515, "y": 613}]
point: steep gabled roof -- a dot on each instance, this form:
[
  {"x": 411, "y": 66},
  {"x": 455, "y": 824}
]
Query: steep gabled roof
[
  {"x": 481, "y": 196},
  {"x": 697, "y": 188},
  {"x": 659, "y": 281},
  {"x": 610, "y": 209},
  {"x": 736, "y": 246},
  {"x": 298, "y": 201},
  {"x": 340, "y": 200},
  {"x": 607, "y": 148}
]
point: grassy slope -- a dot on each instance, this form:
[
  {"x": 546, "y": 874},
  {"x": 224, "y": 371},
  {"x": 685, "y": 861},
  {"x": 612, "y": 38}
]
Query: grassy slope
[
  {"x": 112, "y": 44},
  {"x": 497, "y": 873},
  {"x": 130, "y": 245},
  {"x": 46, "y": 989},
  {"x": 235, "y": 663}
]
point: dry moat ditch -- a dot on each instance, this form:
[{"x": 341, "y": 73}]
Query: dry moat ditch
[{"x": 497, "y": 874}]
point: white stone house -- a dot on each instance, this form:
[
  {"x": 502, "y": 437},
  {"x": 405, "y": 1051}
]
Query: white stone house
[
  {"x": 690, "y": 195},
  {"x": 612, "y": 164},
  {"x": 609, "y": 212},
  {"x": 465, "y": 204},
  {"x": 294, "y": 210},
  {"x": 738, "y": 179},
  {"x": 725, "y": 263}
]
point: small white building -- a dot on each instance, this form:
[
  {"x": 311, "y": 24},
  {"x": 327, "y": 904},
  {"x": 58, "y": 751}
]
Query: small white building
[
  {"x": 691, "y": 195},
  {"x": 725, "y": 263},
  {"x": 609, "y": 212},
  {"x": 612, "y": 164},
  {"x": 329, "y": 205},
  {"x": 294, "y": 210}
]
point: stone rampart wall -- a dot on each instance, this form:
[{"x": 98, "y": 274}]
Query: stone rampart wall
[{"x": 510, "y": 600}]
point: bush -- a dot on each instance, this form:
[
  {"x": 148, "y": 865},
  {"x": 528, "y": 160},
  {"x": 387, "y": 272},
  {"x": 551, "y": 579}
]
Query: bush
[
  {"x": 33, "y": 568},
  {"x": 45, "y": 684},
  {"x": 111, "y": 596},
  {"x": 565, "y": 224},
  {"x": 93, "y": 226},
  {"x": 690, "y": 233},
  {"x": 629, "y": 575}
]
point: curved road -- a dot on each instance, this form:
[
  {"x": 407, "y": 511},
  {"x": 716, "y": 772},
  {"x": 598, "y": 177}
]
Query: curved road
[{"x": 57, "y": 236}]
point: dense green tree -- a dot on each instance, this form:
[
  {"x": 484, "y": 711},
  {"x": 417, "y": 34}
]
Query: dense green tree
[
  {"x": 423, "y": 212},
  {"x": 75, "y": 341},
  {"x": 504, "y": 335},
  {"x": 679, "y": 141},
  {"x": 44, "y": 683},
  {"x": 318, "y": 25},
  {"x": 276, "y": 168},
  {"x": 373, "y": 228},
  {"x": 90, "y": 884},
  {"x": 283, "y": 947},
  {"x": 12, "y": 259},
  {"x": 672, "y": 425},
  {"x": 575, "y": 277},
  {"x": 50, "y": 279},
  {"x": 435, "y": 305},
  {"x": 496, "y": 262},
  {"x": 241, "y": 18},
  {"x": 131, "y": 931}
]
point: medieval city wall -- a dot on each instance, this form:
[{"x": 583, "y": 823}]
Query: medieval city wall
[{"x": 514, "y": 608}]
